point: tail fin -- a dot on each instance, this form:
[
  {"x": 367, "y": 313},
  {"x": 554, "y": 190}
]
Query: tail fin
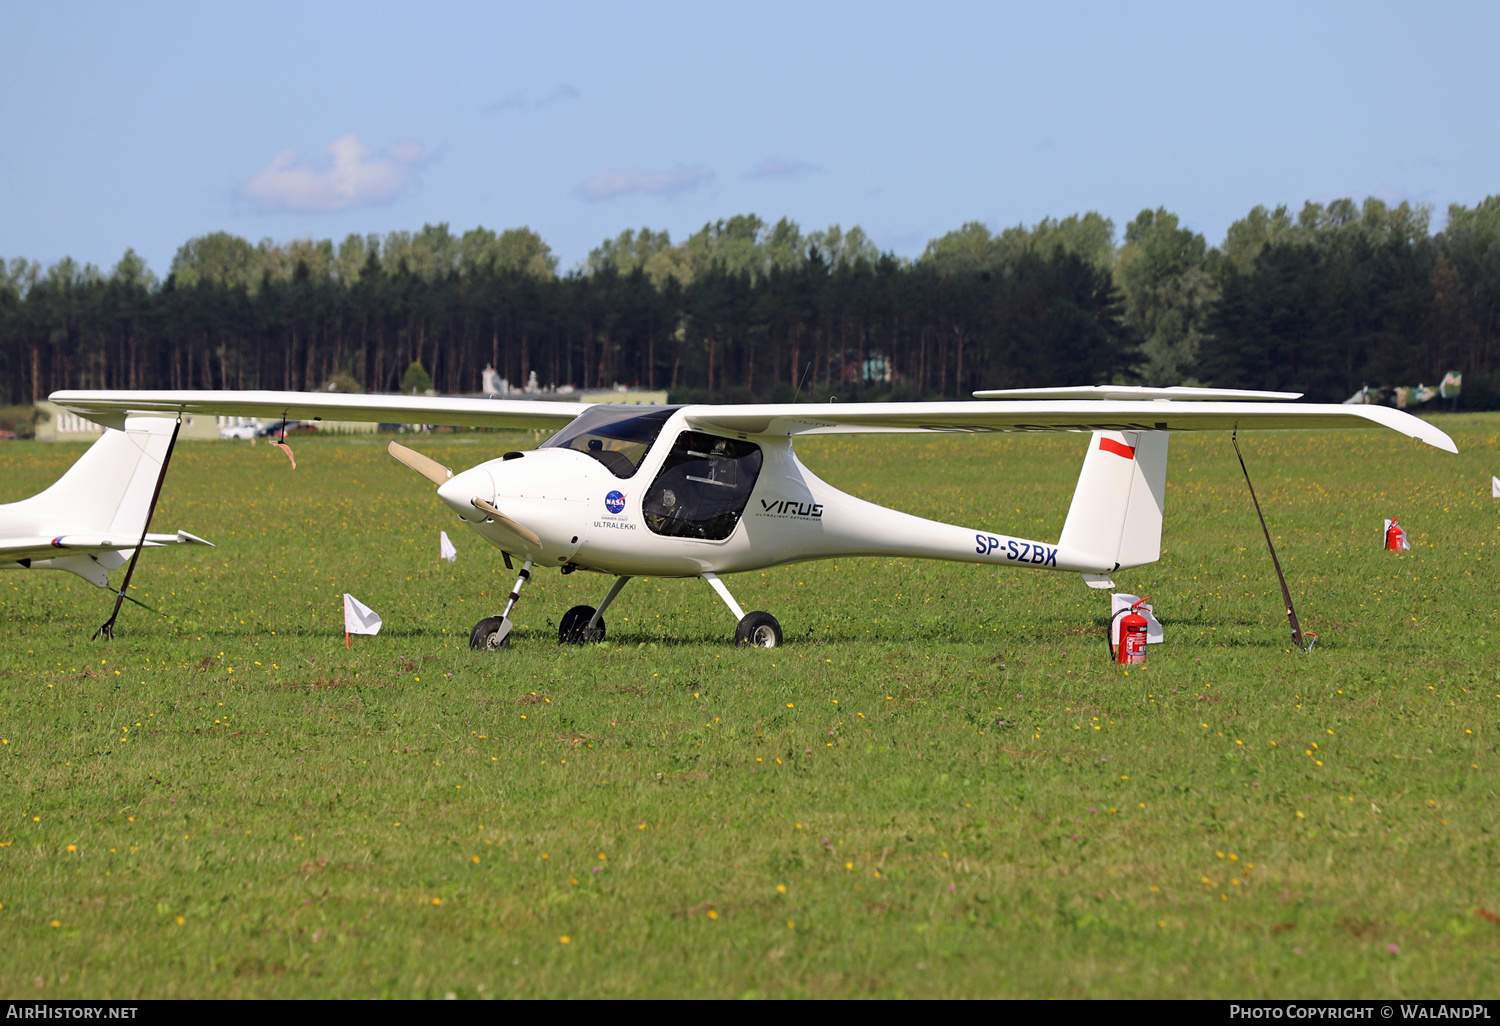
[
  {"x": 108, "y": 491},
  {"x": 1115, "y": 519}
]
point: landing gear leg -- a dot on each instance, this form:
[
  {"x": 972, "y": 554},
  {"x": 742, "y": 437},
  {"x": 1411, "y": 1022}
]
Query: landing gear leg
[
  {"x": 583, "y": 624},
  {"x": 493, "y": 632},
  {"x": 758, "y": 629}
]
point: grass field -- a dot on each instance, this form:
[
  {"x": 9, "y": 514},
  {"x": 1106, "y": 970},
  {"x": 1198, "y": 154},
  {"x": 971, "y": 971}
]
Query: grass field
[{"x": 939, "y": 787}]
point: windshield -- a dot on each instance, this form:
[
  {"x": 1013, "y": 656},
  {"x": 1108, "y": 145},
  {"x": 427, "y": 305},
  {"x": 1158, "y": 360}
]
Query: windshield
[{"x": 617, "y": 436}]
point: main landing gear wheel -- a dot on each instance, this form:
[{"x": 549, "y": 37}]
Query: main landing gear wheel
[
  {"x": 574, "y": 629},
  {"x": 758, "y": 630},
  {"x": 485, "y": 637}
]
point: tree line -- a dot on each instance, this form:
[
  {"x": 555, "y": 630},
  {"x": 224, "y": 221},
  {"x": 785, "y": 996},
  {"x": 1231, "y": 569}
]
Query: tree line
[{"x": 1338, "y": 296}]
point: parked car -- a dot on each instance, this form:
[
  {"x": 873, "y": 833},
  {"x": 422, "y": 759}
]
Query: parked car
[
  {"x": 287, "y": 427},
  {"x": 238, "y": 432}
]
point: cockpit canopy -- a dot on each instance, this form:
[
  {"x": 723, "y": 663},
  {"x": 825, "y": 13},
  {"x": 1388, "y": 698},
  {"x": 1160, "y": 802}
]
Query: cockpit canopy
[
  {"x": 617, "y": 436},
  {"x": 704, "y": 482}
]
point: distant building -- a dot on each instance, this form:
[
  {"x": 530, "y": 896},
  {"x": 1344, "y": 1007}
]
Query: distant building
[
  {"x": 492, "y": 384},
  {"x": 877, "y": 368},
  {"x": 56, "y": 424},
  {"x": 624, "y": 395}
]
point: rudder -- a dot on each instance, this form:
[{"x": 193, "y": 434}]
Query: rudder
[{"x": 1115, "y": 519}]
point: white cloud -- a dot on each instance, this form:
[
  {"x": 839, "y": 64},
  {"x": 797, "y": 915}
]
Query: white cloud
[
  {"x": 775, "y": 167},
  {"x": 609, "y": 184},
  {"x": 355, "y": 177}
]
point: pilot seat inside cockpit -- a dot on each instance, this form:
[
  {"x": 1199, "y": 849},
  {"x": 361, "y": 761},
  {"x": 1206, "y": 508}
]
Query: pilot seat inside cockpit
[{"x": 703, "y": 487}]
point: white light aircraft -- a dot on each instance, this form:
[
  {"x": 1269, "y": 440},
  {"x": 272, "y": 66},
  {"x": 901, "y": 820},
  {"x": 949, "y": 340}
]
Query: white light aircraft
[
  {"x": 703, "y": 491},
  {"x": 93, "y": 518}
]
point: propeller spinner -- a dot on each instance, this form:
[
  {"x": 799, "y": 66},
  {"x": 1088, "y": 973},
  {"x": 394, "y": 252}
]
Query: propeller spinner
[{"x": 458, "y": 492}]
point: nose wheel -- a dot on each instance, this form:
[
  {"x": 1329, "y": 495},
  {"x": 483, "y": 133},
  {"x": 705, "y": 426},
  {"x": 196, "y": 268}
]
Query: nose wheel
[
  {"x": 490, "y": 634},
  {"x": 493, "y": 632}
]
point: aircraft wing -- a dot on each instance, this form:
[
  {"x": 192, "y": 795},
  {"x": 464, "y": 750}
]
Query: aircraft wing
[
  {"x": 110, "y": 407},
  {"x": 1056, "y": 415}
]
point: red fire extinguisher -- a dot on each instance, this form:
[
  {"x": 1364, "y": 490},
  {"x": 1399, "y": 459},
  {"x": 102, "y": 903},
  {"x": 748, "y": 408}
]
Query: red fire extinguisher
[
  {"x": 1395, "y": 536},
  {"x": 1132, "y": 648}
]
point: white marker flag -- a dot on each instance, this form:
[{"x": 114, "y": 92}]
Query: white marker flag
[
  {"x": 1119, "y": 601},
  {"x": 445, "y": 548},
  {"x": 358, "y": 617},
  {"x": 1495, "y": 487}
]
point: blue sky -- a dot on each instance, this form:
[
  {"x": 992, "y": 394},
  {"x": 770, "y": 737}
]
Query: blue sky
[{"x": 142, "y": 125}]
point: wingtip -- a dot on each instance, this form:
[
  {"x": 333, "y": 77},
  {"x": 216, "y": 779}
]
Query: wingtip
[{"x": 1435, "y": 437}]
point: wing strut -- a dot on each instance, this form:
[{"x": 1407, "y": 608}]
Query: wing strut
[
  {"x": 1304, "y": 642},
  {"x": 107, "y": 628}
]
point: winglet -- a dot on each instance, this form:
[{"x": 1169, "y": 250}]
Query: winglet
[{"x": 1408, "y": 425}]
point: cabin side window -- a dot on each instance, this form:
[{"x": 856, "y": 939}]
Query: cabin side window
[{"x": 703, "y": 487}]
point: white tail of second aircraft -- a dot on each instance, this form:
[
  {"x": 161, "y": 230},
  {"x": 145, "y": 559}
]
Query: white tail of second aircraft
[
  {"x": 108, "y": 491},
  {"x": 1115, "y": 520},
  {"x": 92, "y": 517}
]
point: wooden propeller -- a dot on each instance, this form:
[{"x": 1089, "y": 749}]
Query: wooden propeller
[
  {"x": 515, "y": 527},
  {"x": 428, "y": 467}
]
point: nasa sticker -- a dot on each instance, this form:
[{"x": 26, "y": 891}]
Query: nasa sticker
[{"x": 615, "y": 502}]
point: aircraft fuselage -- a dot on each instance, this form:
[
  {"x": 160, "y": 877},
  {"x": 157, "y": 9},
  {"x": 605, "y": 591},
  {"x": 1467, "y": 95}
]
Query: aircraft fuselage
[{"x": 687, "y": 509}]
